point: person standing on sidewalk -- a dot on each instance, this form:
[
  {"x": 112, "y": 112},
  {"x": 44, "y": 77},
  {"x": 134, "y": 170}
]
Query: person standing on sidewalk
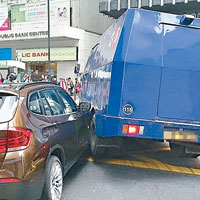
[
  {"x": 70, "y": 86},
  {"x": 77, "y": 89},
  {"x": 1, "y": 79}
]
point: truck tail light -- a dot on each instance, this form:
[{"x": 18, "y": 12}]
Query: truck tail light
[
  {"x": 132, "y": 129},
  {"x": 17, "y": 139}
]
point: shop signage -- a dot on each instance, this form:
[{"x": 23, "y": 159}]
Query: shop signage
[
  {"x": 23, "y": 35},
  {"x": 56, "y": 54},
  {"x": 5, "y": 54},
  {"x": 4, "y": 24}
]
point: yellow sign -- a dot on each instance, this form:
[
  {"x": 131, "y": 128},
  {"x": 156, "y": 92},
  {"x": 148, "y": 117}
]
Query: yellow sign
[{"x": 56, "y": 54}]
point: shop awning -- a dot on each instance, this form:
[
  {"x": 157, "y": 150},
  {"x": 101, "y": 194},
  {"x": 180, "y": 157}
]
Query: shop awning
[{"x": 5, "y": 64}]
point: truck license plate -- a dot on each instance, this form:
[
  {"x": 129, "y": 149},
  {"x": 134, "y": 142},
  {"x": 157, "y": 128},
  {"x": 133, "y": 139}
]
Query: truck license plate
[{"x": 186, "y": 135}]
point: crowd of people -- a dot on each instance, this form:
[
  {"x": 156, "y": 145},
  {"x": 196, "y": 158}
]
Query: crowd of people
[
  {"x": 10, "y": 78},
  {"x": 73, "y": 88}
]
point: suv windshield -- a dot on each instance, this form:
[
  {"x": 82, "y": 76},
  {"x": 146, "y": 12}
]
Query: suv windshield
[{"x": 8, "y": 105}]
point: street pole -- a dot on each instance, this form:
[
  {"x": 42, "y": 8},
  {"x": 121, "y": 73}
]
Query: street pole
[{"x": 49, "y": 58}]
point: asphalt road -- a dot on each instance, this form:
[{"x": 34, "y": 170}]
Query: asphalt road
[{"x": 136, "y": 172}]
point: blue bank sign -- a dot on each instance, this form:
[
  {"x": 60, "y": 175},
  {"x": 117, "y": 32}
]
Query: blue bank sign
[{"x": 5, "y": 54}]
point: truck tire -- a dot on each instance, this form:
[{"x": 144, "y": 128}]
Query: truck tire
[
  {"x": 53, "y": 183},
  {"x": 178, "y": 150},
  {"x": 98, "y": 152}
]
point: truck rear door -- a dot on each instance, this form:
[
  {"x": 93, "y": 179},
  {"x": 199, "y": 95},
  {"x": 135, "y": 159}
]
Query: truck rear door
[
  {"x": 8, "y": 105},
  {"x": 180, "y": 79}
]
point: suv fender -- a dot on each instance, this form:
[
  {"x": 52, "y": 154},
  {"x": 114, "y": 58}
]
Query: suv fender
[{"x": 58, "y": 151}]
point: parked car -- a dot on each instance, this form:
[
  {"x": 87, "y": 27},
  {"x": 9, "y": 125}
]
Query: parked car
[{"x": 42, "y": 134}]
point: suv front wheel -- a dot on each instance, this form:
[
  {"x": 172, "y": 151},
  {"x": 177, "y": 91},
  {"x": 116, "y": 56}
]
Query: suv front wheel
[
  {"x": 97, "y": 148},
  {"x": 53, "y": 180}
]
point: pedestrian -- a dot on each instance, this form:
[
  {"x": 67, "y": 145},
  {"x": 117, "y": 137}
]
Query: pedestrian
[
  {"x": 53, "y": 79},
  {"x": 29, "y": 79},
  {"x": 46, "y": 78},
  {"x": 1, "y": 79},
  {"x": 63, "y": 84},
  {"x": 25, "y": 78},
  {"x": 42, "y": 77},
  {"x": 77, "y": 89},
  {"x": 70, "y": 86},
  {"x": 10, "y": 78}
]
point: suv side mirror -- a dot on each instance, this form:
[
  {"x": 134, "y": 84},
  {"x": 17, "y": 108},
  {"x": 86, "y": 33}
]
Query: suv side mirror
[{"x": 84, "y": 106}]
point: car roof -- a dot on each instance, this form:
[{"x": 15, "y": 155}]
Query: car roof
[{"x": 22, "y": 89}]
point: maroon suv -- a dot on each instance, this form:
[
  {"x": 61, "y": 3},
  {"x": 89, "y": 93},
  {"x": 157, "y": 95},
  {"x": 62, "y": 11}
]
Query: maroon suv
[{"x": 42, "y": 134}]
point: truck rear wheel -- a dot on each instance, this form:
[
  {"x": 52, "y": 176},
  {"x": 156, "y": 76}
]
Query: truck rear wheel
[
  {"x": 180, "y": 151},
  {"x": 177, "y": 149}
]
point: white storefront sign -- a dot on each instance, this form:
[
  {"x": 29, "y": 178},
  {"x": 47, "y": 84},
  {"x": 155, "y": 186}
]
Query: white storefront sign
[
  {"x": 10, "y": 35},
  {"x": 56, "y": 54}
]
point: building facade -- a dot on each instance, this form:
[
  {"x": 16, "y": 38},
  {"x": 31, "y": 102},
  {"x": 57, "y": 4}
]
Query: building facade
[
  {"x": 73, "y": 32},
  {"x": 115, "y": 8}
]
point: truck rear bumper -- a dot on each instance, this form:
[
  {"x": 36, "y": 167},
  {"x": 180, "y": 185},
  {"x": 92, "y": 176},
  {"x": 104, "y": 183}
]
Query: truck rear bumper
[{"x": 153, "y": 129}]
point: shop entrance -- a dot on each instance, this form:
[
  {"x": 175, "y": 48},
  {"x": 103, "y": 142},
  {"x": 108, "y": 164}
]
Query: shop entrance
[{"x": 37, "y": 69}]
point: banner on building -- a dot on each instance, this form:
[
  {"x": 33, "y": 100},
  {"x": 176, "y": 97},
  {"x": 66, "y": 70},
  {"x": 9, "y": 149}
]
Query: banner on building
[
  {"x": 38, "y": 11},
  {"x": 17, "y": 13},
  {"x": 37, "y": 25},
  {"x": 4, "y": 23},
  {"x": 41, "y": 55}
]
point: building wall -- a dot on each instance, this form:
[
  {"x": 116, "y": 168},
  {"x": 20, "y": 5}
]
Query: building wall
[
  {"x": 90, "y": 41},
  {"x": 86, "y": 16},
  {"x": 65, "y": 70},
  {"x": 87, "y": 25}
]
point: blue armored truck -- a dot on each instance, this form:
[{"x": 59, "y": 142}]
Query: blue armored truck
[{"x": 143, "y": 81}]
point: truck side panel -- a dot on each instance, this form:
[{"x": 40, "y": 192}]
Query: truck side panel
[
  {"x": 142, "y": 69},
  {"x": 97, "y": 74},
  {"x": 118, "y": 66},
  {"x": 179, "y": 96}
]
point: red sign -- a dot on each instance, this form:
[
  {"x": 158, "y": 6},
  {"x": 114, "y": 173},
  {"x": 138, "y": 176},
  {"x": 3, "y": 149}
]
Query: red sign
[{"x": 4, "y": 23}]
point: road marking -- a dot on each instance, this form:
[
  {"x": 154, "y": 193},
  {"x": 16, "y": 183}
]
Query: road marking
[
  {"x": 149, "y": 163},
  {"x": 155, "y": 150},
  {"x": 162, "y": 149}
]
